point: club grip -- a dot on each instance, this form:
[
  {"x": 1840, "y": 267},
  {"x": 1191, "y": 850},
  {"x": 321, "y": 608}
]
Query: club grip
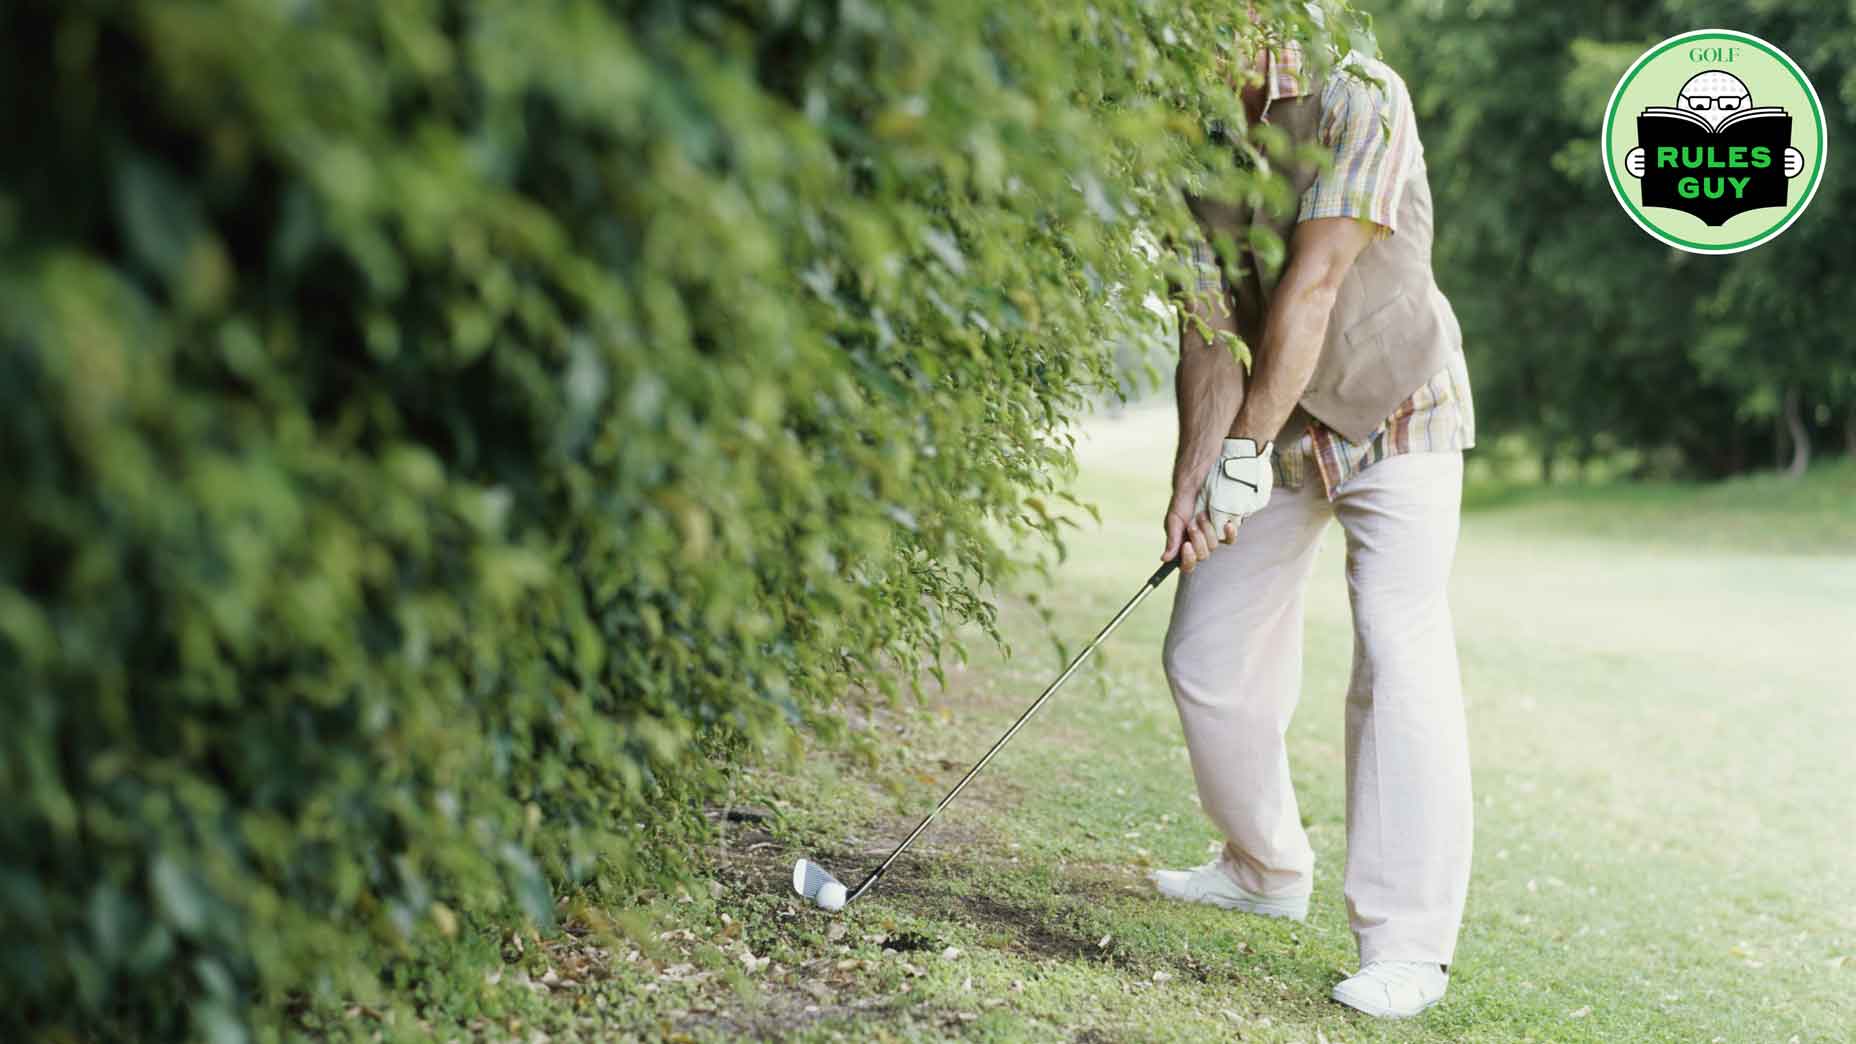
[{"x": 1166, "y": 569}]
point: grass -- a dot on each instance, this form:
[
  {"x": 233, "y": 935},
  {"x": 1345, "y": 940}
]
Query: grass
[
  {"x": 1662, "y": 725},
  {"x": 1765, "y": 512}
]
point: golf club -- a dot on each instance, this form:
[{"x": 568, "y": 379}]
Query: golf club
[{"x": 817, "y": 885}]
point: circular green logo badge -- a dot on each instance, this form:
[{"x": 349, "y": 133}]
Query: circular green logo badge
[{"x": 1714, "y": 141}]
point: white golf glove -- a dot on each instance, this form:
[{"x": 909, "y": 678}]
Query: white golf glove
[{"x": 1239, "y": 484}]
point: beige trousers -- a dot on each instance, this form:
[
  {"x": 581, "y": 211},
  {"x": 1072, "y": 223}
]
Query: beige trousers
[{"x": 1234, "y": 660}]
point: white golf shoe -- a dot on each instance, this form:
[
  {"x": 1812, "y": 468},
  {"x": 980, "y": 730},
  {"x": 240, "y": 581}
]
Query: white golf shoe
[
  {"x": 1394, "y": 989},
  {"x": 1211, "y": 885}
]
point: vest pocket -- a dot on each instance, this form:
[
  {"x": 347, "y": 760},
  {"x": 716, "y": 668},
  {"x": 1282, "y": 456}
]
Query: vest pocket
[
  {"x": 1375, "y": 323},
  {"x": 1367, "y": 369}
]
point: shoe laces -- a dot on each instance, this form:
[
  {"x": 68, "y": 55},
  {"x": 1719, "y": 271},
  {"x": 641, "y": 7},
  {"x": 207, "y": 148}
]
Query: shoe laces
[
  {"x": 1399, "y": 974},
  {"x": 1214, "y": 868}
]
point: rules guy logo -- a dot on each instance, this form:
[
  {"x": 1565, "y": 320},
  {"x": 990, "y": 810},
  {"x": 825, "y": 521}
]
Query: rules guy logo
[{"x": 1692, "y": 157}]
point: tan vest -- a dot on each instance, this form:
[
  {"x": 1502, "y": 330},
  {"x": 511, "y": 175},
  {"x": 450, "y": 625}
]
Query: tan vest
[{"x": 1391, "y": 329}]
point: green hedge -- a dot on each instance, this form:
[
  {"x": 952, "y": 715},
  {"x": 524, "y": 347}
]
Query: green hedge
[{"x": 431, "y": 432}]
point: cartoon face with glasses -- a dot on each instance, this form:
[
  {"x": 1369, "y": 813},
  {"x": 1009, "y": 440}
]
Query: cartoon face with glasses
[{"x": 1714, "y": 96}]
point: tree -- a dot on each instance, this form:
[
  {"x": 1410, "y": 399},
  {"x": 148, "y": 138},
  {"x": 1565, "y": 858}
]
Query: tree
[{"x": 1583, "y": 334}]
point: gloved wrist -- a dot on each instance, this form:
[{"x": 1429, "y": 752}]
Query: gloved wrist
[
  {"x": 1239, "y": 483},
  {"x": 1242, "y": 448}
]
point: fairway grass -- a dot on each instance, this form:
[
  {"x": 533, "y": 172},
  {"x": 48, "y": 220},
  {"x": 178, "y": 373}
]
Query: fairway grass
[{"x": 1663, "y": 725}]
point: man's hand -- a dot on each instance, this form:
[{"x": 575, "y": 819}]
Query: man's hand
[
  {"x": 1239, "y": 486},
  {"x": 1190, "y": 533},
  {"x": 1236, "y": 486}
]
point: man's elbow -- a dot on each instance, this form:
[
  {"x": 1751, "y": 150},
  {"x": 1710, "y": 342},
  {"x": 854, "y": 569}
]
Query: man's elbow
[
  {"x": 1318, "y": 294},
  {"x": 1330, "y": 247},
  {"x": 1322, "y": 275}
]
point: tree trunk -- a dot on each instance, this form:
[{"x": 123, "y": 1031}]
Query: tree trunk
[
  {"x": 1800, "y": 435},
  {"x": 1849, "y": 433},
  {"x": 1546, "y": 465}
]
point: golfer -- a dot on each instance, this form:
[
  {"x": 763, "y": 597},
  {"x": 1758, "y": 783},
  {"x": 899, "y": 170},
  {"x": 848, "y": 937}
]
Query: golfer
[{"x": 1357, "y": 408}]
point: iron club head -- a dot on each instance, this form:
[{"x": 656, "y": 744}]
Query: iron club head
[{"x": 816, "y": 885}]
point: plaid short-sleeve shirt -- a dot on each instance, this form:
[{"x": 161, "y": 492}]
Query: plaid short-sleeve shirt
[{"x": 1369, "y": 127}]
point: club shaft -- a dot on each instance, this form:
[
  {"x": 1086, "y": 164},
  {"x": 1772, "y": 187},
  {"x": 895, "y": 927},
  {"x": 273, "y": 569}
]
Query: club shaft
[{"x": 1140, "y": 596}]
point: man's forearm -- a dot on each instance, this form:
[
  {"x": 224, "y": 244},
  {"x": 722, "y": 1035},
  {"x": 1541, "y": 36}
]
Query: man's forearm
[
  {"x": 1295, "y": 330},
  {"x": 1209, "y": 387},
  {"x": 1320, "y": 256}
]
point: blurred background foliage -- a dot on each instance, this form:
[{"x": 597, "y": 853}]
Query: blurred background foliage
[
  {"x": 1588, "y": 340},
  {"x": 438, "y": 436}
]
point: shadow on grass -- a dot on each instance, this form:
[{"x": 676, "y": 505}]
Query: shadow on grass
[{"x": 1039, "y": 930}]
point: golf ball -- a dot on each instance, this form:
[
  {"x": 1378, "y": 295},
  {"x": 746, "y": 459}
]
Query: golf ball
[{"x": 831, "y": 896}]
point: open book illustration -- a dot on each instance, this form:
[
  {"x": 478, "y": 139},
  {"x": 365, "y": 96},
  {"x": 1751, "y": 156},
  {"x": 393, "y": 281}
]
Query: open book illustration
[{"x": 1715, "y": 173}]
